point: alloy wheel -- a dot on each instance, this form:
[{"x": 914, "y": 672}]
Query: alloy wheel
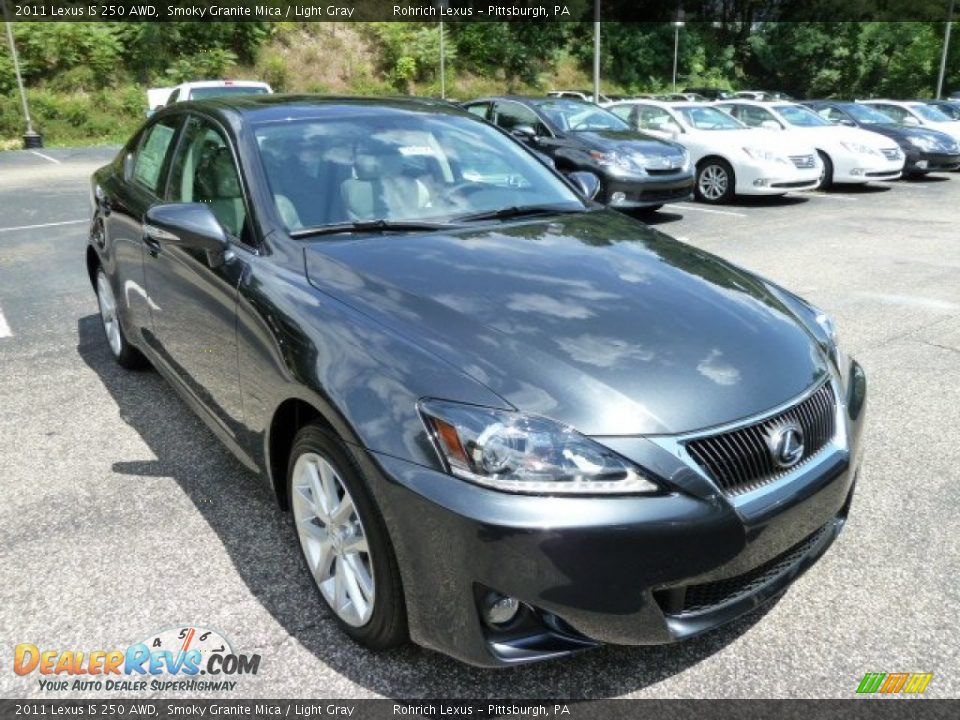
[
  {"x": 333, "y": 539},
  {"x": 713, "y": 182},
  {"x": 108, "y": 314}
]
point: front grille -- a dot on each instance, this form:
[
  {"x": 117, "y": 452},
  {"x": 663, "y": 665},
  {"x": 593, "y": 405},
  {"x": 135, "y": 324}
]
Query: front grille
[
  {"x": 891, "y": 154},
  {"x": 663, "y": 171},
  {"x": 707, "y": 596},
  {"x": 741, "y": 460},
  {"x": 803, "y": 161}
]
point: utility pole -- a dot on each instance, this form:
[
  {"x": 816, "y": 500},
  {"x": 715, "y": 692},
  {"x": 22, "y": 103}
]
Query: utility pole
[
  {"x": 31, "y": 139},
  {"x": 678, "y": 23},
  {"x": 596, "y": 51},
  {"x": 946, "y": 49}
]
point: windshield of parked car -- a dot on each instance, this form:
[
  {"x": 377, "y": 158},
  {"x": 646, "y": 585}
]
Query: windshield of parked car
[
  {"x": 708, "y": 118},
  {"x": 866, "y": 115},
  {"x": 209, "y": 92},
  {"x": 929, "y": 113},
  {"x": 573, "y": 116},
  {"x": 800, "y": 116},
  {"x": 380, "y": 165}
]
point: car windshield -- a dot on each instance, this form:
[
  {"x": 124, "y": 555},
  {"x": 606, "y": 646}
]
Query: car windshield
[
  {"x": 383, "y": 166},
  {"x": 573, "y": 116},
  {"x": 868, "y": 115},
  {"x": 928, "y": 113},
  {"x": 708, "y": 118},
  {"x": 800, "y": 116},
  {"x": 202, "y": 93}
]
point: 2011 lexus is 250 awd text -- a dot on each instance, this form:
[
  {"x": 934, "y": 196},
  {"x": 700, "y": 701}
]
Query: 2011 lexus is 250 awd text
[{"x": 509, "y": 424}]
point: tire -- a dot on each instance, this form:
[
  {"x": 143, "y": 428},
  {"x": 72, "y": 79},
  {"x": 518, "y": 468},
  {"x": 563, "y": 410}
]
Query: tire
[
  {"x": 826, "y": 178},
  {"x": 123, "y": 352},
  {"x": 716, "y": 182},
  {"x": 360, "y": 587}
]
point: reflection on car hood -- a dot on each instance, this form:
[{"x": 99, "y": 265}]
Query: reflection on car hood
[
  {"x": 591, "y": 319},
  {"x": 627, "y": 141}
]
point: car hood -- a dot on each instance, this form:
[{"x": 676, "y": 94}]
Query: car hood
[
  {"x": 841, "y": 133},
  {"x": 735, "y": 140},
  {"x": 627, "y": 141},
  {"x": 591, "y": 319}
]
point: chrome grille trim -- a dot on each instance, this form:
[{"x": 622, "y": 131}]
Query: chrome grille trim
[
  {"x": 739, "y": 460},
  {"x": 891, "y": 153},
  {"x": 803, "y": 161}
]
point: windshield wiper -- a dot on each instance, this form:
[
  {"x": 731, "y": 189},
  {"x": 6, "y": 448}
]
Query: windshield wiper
[
  {"x": 380, "y": 225},
  {"x": 515, "y": 211}
]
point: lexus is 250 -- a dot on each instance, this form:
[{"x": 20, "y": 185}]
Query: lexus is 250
[{"x": 509, "y": 424}]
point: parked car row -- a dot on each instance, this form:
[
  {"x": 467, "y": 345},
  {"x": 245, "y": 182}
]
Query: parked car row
[{"x": 649, "y": 152}]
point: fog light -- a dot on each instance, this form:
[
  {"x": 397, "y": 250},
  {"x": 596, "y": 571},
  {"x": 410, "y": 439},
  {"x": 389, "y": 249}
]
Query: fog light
[
  {"x": 498, "y": 610},
  {"x": 922, "y": 164},
  {"x": 618, "y": 197},
  {"x": 761, "y": 182},
  {"x": 857, "y": 171}
]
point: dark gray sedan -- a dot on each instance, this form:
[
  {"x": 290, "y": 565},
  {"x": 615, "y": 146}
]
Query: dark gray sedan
[{"x": 510, "y": 424}]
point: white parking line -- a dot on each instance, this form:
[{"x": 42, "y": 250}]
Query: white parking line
[
  {"x": 832, "y": 197},
  {"x": 43, "y": 225},
  {"x": 4, "y": 327},
  {"x": 45, "y": 157},
  {"x": 706, "y": 210}
]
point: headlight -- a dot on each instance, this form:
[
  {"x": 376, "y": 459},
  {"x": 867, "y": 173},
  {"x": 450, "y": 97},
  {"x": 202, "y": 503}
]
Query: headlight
[
  {"x": 922, "y": 142},
  {"x": 513, "y": 452},
  {"x": 616, "y": 160},
  {"x": 762, "y": 154},
  {"x": 856, "y": 147}
]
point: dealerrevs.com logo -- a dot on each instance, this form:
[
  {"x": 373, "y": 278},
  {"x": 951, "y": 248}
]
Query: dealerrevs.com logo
[{"x": 170, "y": 660}]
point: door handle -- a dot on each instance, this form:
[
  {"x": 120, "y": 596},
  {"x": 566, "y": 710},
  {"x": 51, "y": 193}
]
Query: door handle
[{"x": 153, "y": 237}]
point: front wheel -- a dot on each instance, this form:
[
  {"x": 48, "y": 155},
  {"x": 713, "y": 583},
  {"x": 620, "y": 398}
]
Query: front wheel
[
  {"x": 826, "y": 175},
  {"x": 123, "y": 352},
  {"x": 715, "y": 181},
  {"x": 344, "y": 541}
]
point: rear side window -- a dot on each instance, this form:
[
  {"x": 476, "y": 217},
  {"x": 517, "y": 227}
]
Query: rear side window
[
  {"x": 510, "y": 114},
  {"x": 154, "y": 148},
  {"x": 480, "y": 109}
]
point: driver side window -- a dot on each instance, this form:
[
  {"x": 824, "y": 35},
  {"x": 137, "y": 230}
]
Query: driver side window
[
  {"x": 509, "y": 115},
  {"x": 204, "y": 171}
]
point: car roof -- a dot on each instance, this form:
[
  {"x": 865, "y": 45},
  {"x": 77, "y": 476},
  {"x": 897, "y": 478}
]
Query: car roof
[{"x": 268, "y": 108}]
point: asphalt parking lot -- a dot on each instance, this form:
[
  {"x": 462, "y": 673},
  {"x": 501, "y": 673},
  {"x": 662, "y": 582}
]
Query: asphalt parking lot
[{"x": 120, "y": 514}]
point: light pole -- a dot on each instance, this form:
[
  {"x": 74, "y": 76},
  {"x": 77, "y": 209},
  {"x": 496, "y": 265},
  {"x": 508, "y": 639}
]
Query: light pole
[
  {"x": 443, "y": 73},
  {"x": 946, "y": 48},
  {"x": 678, "y": 23},
  {"x": 596, "y": 51},
  {"x": 31, "y": 139}
]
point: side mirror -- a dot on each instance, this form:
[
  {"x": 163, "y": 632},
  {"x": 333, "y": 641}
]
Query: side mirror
[
  {"x": 911, "y": 121},
  {"x": 846, "y": 121},
  {"x": 524, "y": 132},
  {"x": 128, "y": 167},
  {"x": 770, "y": 125},
  {"x": 586, "y": 183},
  {"x": 188, "y": 225}
]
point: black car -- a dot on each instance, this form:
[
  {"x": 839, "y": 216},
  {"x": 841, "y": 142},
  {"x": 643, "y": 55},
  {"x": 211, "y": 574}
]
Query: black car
[
  {"x": 926, "y": 150},
  {"x": 636, "y": 170},
  {"x": 510, "y": 424},
  {"x": 950, "y": 108}
]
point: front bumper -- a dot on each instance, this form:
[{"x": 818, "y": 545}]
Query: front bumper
[
  {"x": 758, "y": 178},
  {"x": 858, "y": 168},
  {"x": 618, "y": 570},
  {"x": 640, "y": 192},
  {"x": 919, "y": 162}
]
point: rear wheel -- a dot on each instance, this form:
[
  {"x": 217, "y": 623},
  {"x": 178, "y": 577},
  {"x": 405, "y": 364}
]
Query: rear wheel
[
  {"x": 826, "y": 175},
  {"x": 123, "y": 352},
  {"x": 715, "y": 181},
  {"x": 344, "y": 541}
]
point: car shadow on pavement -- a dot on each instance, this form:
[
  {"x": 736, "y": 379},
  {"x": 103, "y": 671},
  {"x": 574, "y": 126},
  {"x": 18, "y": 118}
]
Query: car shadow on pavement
[{"x": 259, "y": 539}]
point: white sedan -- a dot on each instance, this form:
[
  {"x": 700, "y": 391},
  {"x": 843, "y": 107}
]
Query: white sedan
[
  {"x": 917, "y": 114},
  {"x": 849, "y": 155},
  {"x": 730, "y": 158}
]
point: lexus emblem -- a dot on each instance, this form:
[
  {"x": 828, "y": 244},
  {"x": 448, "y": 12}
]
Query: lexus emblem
[{"x": 786, "y": 445}]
